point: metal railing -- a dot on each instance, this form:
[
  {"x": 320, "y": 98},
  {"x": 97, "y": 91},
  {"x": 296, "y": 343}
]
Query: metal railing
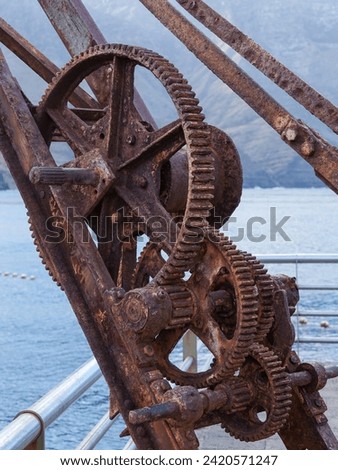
[
  {"x": 27, "y": 430},
  {"x": 307, "y": 259}
]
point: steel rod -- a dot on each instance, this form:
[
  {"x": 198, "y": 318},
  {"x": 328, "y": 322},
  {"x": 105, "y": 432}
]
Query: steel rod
[
  {"x": 59, "y": 176},
  {"x": 97, "y": 433},
  {"x": 313, "y": 339},
  {"x": 300, "y": 258}
]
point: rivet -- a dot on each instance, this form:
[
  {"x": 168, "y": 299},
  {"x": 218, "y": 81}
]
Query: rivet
[
  {"x": 127, "y": 404},
  {"x": 148, "y": 350},
  {"x": 131, "y": 139},
  {"x": 293, "y": 360},
  {"x": 308, "y": 148},
  {"x": 142, "y": 182},
  {"x": 140, "y": 431},
  {"x": 161, "y": 294}
]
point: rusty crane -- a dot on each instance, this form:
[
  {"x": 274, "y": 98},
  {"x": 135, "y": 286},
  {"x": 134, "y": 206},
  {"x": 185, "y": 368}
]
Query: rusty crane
[{"x": 177, "y": 184}]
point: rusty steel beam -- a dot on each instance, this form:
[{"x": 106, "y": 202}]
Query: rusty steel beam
[
  {"x": 288, "y": 81},
  {"x": 78, "y": 32},
  {"x": 38, "y": 62},
  {"x": 322, "y": 156}
]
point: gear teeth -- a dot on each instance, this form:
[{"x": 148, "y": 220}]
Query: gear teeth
[
  {"x": 187, "y": 250},
  {"x": 38, "y": 249},
  {"x": 265, "y": 293},
  {"x": 239, "y": 393},
  {"x": 197, "y": 134},
  {"x": 240, "y": 424}
]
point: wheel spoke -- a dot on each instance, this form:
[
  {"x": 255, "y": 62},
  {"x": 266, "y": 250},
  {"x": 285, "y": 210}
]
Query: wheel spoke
[
  {"x": 117, "y": 250},
  {"x": 163, "y": 144},
  {"x": 155, "y": 262},
  {"x": 72, "y": 129},
  {"x": 209, "y": 332},
  {"x": 120, "y": 105},
  {"x": 167, "y": 340}
]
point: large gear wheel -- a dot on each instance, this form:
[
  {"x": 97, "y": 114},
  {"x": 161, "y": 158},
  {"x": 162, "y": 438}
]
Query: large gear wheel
[
  {"x": 223, "y": 270},
  {"x": 271, "y": 404},
  {"x": 134, "y": 151}
]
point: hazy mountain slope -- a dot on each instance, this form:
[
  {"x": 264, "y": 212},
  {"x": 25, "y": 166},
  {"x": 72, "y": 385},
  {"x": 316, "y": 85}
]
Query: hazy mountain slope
[{"x": 301, "y": 33}]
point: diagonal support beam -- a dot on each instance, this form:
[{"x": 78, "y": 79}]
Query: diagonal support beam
[
  {"x": 38, "y": 62},
  {"x": 283, "y": 77},
  {"x": 322, "y": 156}
]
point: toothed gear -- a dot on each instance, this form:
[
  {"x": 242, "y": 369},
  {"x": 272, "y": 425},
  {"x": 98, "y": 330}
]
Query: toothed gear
[
  {"x": 271, "y": 403},
  {"x": 53, "y": 112},
  {"x": 265, "y": 287},
  {"x": 220, "y": 266},
  {"x": 43, "y": 255},
  {"x": 239, "y": 394}
]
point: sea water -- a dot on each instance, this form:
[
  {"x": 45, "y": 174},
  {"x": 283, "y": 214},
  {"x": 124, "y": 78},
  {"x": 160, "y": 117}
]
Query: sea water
[{"x": 41, "y": 342}]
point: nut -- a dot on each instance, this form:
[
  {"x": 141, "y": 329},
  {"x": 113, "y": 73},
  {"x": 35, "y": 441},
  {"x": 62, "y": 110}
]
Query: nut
[{"x": 290, "y": 134}]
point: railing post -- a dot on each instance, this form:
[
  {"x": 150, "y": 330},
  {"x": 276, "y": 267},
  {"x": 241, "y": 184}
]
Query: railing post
[
  {"x": 39, "y": 442},
  {"x": 190, "y": 349}
]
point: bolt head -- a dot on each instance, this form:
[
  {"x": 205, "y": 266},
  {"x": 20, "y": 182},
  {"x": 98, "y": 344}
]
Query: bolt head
[
  {"x": 119, "y": 294},
  {"x": 140, "y": 431},
  {"x": 293, "y": 360}
]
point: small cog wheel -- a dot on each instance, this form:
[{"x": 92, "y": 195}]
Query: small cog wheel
[{"x": 271, "y": 402}]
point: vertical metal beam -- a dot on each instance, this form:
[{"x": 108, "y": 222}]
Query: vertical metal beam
[
  {"x": 78, "y": 32},
  {"x": 190, "y": 349}
]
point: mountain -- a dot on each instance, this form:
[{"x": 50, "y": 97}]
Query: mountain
[{"x": 303, "y": 34}]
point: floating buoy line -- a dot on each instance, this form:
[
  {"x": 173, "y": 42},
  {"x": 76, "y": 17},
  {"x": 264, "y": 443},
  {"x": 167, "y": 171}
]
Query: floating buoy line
[
  {"x": 323, "y": 324},
  {"x": 22, "y": 276}
]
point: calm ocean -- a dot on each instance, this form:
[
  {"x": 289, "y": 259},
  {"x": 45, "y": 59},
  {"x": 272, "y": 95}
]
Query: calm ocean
[{"x": 41, "y": 342}]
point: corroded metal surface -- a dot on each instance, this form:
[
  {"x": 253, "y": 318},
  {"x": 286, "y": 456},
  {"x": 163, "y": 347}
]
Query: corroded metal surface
[
  {"x": 177, "y": 184},
  {"x": 313, "y": 101}
]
